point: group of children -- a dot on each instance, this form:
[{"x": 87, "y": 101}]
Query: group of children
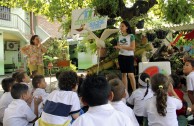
[{"x": 154, "y": 103}]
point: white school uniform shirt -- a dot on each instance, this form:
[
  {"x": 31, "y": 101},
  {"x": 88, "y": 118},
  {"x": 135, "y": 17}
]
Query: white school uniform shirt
[
  {"x": 18, "y": 113},
  {"x": 59, "y": 107},
  {"x": 103, "y": 115},
  {"x": 190, "y": 81},
  {"x": 36, "y": 93},
  {"x": 122, "y": 107},
  {"x": 138, "y": 100},
  {"x": 5, "y": 100},
  {"x": 154, "y": 119}
]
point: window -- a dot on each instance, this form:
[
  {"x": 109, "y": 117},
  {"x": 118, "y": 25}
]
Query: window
[{"x": 5, "y": 13}]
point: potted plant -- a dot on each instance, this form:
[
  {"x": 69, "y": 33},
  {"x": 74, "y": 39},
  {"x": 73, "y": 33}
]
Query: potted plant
[
  {"x": 138, "y": 21},
  {"x": 161, "y": 32},
  {"x": 151, "y": 35}
]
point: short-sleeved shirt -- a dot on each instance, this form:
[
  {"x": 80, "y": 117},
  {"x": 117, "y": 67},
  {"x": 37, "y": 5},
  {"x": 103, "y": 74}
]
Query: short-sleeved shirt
[
  {"x": 35, "y": 55},
  {"x": 138, "y": 100},
  {"x": 122, "y": 107},
  {"x": 190, "y": 81},
  {"x": 5, "y": 100},
  {"x": 59, "y": 107},
  {"x": 154, "y": 119},
  {"x": 103, "y": 115},
  {"x": 39, "y": 92},
  {"x": 18, "y": 113},
  {"x": 126, "y": 41}
]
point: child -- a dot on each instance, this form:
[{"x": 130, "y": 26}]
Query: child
[
  {"x": 126, "y": 46},
  {"x": 23, "y": 78},
  {"x": 39, "y": 86},
  {"x": 118, "y": 89},
  {"x": 96, "y": 92},
  {"x": 161, "y": 109},
  {"x": 182, "y": 112},
  {"x": 18, "y": 112},
  {"x": 188, "y": 69},
  {"x": 61, "y": 105},
  {"x": 6, "y": 98},
  {"x": 140, "y": 95},
  {"x": 34, "y": 73},
  {"x": 14, "y": 76}
]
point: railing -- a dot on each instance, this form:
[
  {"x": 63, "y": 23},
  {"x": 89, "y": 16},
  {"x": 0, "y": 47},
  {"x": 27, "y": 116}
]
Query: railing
[
  {"x": 42, "y": 34},
  {"x": 10, "y": 20}
]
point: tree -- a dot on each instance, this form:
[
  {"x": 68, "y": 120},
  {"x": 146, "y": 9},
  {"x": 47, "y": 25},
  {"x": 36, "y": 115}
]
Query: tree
[{"x": 53, "y": 9}]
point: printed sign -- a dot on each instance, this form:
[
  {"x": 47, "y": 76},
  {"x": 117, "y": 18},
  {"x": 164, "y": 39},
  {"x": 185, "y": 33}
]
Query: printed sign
[
  {"x": 88, "y": 18},
  {"x": 152, "y": 68}
]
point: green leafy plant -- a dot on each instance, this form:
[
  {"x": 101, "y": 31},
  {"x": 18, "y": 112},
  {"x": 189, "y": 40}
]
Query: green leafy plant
[
  {"x": 106, "y": 7},
  {"x": 178, "y": 11}
]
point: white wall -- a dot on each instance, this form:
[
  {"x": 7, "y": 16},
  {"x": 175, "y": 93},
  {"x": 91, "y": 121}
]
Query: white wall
[{"x": 1, "y": 54}]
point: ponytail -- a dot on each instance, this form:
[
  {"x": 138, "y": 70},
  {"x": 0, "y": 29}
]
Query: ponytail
[
  {"x": 161, "y": 99},
  {"x": 160, "y": 85},
  {"x": 147, "y": 80}
]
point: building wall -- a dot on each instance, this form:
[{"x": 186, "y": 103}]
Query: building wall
[{"x": 1, "y": 54}]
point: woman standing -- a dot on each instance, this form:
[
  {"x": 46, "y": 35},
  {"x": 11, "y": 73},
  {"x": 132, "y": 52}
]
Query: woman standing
[
  {"x": 126, "y": 46},
  {"x": 34, "y": 52}
]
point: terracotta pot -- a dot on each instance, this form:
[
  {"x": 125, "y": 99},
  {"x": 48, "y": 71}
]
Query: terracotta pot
[{"x": 63, "y": 63}]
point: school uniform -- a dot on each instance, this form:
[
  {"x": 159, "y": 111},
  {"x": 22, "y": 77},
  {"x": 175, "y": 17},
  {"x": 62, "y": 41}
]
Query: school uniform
[
  {"x": 58, "y": 108},
  {"x": 103, "y": 115},
  {"x": 5, "y": 100},
  {"x": 190, "y": 81},
  {"x": 122, "y": 107},
  {"x": 138, "y": 100},
  {"x": 18, "y": 113},
  {"x": 154, "y": 119},
  {"x": 37, "y": 93}
]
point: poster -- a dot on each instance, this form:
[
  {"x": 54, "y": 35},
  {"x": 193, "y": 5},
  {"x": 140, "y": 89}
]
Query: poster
[
  {"x": 152, "y": 68},
  {"x": 86, "y": 17}
]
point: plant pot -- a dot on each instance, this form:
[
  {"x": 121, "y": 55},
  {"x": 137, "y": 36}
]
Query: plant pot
[
  {"x": 161, "y": 34},
  {"x": 151, "y": 36},
  {"x": 63, "y": 63},
  {"x": 140, "y": 24}
]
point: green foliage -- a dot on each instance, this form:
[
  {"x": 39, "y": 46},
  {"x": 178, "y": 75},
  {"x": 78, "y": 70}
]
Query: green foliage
[
  {"x": 178, "y": 11},
  {"x": 106, "y": 7},
  {"x": 182, "y": 42},
  {"x": 53, "y": 9},
  {"x": 56, "y": 48}
]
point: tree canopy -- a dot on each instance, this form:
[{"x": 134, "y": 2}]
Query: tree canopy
[{"x": 53, "y": 9}]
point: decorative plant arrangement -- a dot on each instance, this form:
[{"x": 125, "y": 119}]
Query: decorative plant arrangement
[{"x": 151, "y": 35}]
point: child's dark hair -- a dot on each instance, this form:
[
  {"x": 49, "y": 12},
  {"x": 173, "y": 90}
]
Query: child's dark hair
[
  {"x": 160, "y": 84},
  {"x": 176, "y": 80},
  {"x": 18, "y": 90},
  {"x": 57, "y": 75},
  {"x": 95, "y": 90},
  {"x": 7, "y": 83},
  {"x": 20, "y": 77},
  {"x": 67, "y": 80},
  {"x": 144, "y": 80},
  {"x": 128, "y": 26},
  {"x": 14, "y": 75},
  {"x": 190, "y": 60},
  {"x": 34, "y": 73},
  {"x": 36, "y": 80},
  {"x": 118, "y": 89}
]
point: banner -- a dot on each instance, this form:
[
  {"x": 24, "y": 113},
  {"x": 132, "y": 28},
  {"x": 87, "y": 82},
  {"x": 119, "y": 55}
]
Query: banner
[{"x": 86, "y": 17}]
